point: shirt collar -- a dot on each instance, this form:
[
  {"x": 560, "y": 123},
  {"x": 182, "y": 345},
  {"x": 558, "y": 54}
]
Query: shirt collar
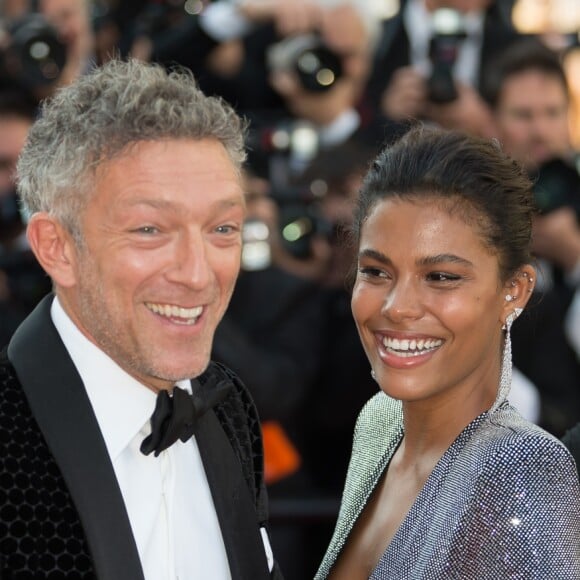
[
  {"x": 340, "y": 129},
  {"x": 122, "y": 405}
]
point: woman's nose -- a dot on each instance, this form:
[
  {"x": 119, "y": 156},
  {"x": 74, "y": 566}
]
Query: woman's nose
[{"x": 401, "y": 302}]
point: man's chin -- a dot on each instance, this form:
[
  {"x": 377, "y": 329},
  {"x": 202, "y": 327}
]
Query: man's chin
[{"x": 190, "y": 371}]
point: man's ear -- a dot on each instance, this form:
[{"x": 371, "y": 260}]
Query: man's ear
[
  {"x": 54, "y": 248},
  {"x": 518, "y": 290}
]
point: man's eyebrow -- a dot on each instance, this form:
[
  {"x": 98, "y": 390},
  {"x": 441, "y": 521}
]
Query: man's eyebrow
[
  {"x": 154, "y": 202},
  {"x": 230, "y": 202},
  {"x": 160, "y": 203},
  {"x": 426, "y": 261}
]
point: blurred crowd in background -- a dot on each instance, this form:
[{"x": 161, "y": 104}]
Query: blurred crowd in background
[{"x": 324, "y": 85}]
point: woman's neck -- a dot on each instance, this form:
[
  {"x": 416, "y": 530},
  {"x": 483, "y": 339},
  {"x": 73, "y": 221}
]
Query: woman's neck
[{"x": 432, "y": 426}]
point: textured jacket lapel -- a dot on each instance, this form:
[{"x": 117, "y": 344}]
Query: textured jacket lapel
[
  {"x": 63, "y": 411},
  {"x": 372, "y": 450},
  {"x": 233, "y": 502}
]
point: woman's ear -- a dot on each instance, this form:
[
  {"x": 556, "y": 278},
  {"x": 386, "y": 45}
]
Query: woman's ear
[
  {"x": 54, "y": 248},
  {"x": 518, "y": 290}
]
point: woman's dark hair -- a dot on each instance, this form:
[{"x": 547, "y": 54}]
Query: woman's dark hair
[{"x": 470, "y": 174}]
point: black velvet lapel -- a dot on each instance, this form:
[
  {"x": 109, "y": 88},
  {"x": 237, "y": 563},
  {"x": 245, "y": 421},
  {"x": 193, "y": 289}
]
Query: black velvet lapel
[
  {"x": 63, "y": 411},
  {"x": 233, "y": 503}
]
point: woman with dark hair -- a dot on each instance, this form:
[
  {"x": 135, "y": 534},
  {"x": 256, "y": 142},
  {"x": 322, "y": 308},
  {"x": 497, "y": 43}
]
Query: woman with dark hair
[{"x": 446, "y": 479}]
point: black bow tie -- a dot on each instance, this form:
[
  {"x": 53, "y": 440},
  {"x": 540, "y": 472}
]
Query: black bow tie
[{"x": 175, "y": 416}]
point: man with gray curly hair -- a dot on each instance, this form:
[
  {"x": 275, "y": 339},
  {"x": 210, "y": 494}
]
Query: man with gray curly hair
[{"x": 124, "y": 452}]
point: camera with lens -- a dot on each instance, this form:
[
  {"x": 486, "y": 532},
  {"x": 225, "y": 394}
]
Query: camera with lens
[
  {"x": 316, "y": 66},
  {"x": 286, "y": 148},
  {"x": 300, "y": 220},
  {"x": 448, "y": 34},
  {"x": 33, "y": 54},
  {"x": 557, "y": 184}
]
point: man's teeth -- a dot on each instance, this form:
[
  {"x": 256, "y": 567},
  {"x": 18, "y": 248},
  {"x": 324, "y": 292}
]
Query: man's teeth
[
  {"x": 413, "y": 347},
  {"x": 186, "y": 315}
]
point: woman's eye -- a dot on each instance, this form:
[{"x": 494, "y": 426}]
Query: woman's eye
[
  {"x": 371, "y": 272},
  {"x": 442, "y": 277}
]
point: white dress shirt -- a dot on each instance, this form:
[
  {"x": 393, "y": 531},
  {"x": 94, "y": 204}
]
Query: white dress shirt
[{"x": 168, "y": 500}]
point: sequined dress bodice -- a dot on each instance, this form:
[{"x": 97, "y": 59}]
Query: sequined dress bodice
[{"x": 502, "y": 502}]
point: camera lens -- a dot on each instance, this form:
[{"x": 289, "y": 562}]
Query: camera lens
[
  {"x": 318, "y": 69},
  {"x": 36, "y": 55}
]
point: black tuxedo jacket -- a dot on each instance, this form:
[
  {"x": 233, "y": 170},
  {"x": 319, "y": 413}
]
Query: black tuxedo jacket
[{"x": 61, "y": 509}]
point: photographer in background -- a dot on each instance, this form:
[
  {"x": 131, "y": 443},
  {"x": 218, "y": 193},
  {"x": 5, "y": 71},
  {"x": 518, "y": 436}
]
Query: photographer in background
[
  {"x": 274, "y": 60},
  {"x": 326, "y": 93},
  {"x": 72, "y": 21},
  {"x": 528, "y": 92},
  {"x": 431, "y": 59},
  {"x": 45, "y": 44},
  {"x": 289, "y": 333},
  {"x": 22, "y": 281},
  {"x": 167, "y": 32},
  {"x": 272, "y": 336},
  {"x": 344, "y": 382},
  {"x": 271, "y": 331}
]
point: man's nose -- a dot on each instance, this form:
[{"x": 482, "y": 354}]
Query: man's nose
[{"x": 190, "y": 261}]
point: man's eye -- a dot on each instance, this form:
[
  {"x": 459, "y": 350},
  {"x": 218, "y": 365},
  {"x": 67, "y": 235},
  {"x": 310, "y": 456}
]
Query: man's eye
[
  {"x": 227, "y": 229},
  {"x": 147, "y": 230}
]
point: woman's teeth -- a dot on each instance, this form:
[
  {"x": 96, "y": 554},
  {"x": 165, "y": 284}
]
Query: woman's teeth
[{"x": 411, "y": 347}]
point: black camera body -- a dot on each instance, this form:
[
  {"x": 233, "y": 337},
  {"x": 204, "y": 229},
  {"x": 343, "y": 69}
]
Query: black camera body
[
  {"x": 300, "y": 220},
  {"x": 316, "y": 66},
  {"x": 557, "y": 184},
  {"x": 448, "y": 34},
  {"x": 34, "y": 55},
  {"x": 279, "y": 153}
]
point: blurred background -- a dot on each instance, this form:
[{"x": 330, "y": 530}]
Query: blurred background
[{"x": 325, "y": 84}]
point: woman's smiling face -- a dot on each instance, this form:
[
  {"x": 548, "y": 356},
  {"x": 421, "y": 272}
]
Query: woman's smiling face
[{"x": 428, "y": 301}]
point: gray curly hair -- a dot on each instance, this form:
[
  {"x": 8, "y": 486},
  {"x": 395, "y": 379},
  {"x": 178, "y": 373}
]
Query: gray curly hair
[{"x": 102, "y": 114}]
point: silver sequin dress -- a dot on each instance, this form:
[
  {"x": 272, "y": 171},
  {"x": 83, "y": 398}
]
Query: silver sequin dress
[{"x": 502, "y": 503}]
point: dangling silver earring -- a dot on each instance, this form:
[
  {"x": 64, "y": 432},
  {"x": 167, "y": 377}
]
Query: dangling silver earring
[
  {"x": 373, "y": 374},
  {"x": 505, "y": 381}
]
